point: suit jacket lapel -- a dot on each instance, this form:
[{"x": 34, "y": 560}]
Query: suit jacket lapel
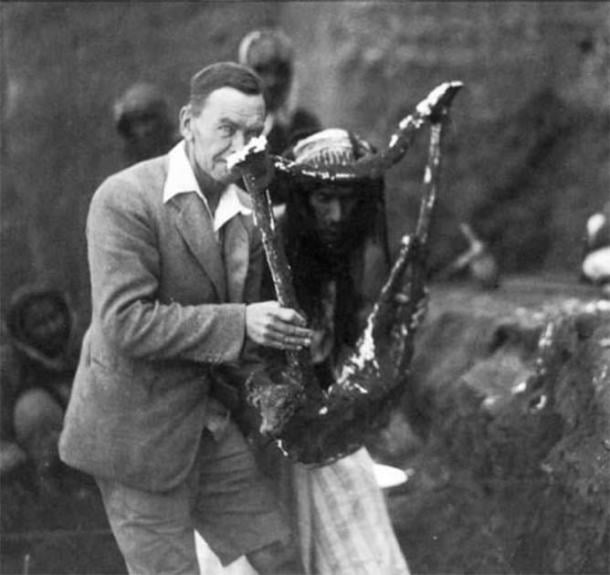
[
  {"x": 196, "y": 227},
  {"x": 236, "y": 257}
]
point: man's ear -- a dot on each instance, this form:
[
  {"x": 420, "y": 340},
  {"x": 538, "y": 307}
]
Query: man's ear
[{"x": 186, "y": 119}]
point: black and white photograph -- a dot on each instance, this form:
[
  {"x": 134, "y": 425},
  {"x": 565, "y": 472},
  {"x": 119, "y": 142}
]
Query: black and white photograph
[{"x": 305, "y": 287}]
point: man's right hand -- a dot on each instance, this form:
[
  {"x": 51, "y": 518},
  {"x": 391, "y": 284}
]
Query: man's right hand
[{"x": 269, "y": 324}]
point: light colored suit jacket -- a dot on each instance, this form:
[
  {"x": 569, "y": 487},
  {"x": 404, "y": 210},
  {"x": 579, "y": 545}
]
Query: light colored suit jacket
[{"x": 167, "y": 305}]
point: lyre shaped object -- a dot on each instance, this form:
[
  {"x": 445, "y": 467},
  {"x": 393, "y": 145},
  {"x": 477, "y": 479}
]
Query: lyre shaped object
[{"x": 317, "y": 426}]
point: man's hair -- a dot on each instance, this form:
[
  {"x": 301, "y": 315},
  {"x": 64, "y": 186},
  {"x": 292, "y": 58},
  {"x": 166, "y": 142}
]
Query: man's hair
[{"x": 221, "y": 75}]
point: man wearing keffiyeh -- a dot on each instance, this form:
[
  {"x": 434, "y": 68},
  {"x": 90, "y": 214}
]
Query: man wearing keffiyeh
[{"x": 335, "y": 240}]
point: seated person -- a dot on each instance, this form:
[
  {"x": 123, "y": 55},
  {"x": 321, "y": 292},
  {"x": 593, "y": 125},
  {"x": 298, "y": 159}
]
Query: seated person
[
  {"x": 595, "y": 267},
  {"x": 37, "y": 363},
  {"x": 474, "y": 262}
]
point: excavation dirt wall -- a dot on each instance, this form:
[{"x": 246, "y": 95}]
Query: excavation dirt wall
[{"x": 505, "y": 433}]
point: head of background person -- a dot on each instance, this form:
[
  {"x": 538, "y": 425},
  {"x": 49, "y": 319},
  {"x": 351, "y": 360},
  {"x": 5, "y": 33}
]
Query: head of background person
[
  {"x": 334, "y": 217},
  {"x": 142, "y": 119},
  {"x": 226, "y": 109},
  {"x": 40, "y": 321},
  {"x": 269, "y": 52}
]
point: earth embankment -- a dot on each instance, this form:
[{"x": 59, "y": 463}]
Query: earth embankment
[{"x": 505, "y": 432}]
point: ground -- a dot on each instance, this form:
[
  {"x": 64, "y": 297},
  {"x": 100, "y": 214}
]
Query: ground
[
  {"x": 510, "y": 461},
  {"x": 504, "y": 431}
]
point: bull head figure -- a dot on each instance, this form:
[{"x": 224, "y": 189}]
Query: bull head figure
[{"x": 313, "y": 425}]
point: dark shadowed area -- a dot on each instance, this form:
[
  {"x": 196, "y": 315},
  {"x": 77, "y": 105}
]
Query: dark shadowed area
[{"x": 505, "y": 478}]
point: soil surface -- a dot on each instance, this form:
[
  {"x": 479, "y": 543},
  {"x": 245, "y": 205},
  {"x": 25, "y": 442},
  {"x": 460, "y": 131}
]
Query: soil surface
[{"x": 508, "y": 421}]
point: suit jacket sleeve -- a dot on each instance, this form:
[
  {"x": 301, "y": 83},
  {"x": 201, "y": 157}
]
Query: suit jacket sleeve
[{"x": 125, "y": 266}]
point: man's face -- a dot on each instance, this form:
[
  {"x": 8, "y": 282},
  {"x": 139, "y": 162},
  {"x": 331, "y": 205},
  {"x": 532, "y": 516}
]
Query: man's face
[
  {"x": 46, "y": 325},
  {"x": 276, "y": 77},
  {"x": 333, "y": 207},
  {"x": 228, "y": 120}
]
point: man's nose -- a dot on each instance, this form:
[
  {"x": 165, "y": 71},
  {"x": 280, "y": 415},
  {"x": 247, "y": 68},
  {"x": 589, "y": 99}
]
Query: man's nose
[
  {"x": 335, "y": 211},
  {"x": 239, "y": 141}
]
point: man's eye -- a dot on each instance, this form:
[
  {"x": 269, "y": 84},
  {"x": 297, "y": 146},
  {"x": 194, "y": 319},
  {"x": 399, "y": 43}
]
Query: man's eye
[{"x": 227, "y": 130}]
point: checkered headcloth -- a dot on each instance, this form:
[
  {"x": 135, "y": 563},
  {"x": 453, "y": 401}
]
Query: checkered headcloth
[{"x": 333, "y": 146}]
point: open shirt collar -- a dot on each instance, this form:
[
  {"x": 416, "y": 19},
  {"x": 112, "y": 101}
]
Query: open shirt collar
[{"x": 181, "y": 180}]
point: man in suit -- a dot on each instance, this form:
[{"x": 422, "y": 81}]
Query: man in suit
[{"x": 175, "y": 264}]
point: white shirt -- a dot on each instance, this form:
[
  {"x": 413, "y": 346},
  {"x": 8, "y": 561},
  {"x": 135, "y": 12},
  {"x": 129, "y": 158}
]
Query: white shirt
[{"x": 181, "y": 180}]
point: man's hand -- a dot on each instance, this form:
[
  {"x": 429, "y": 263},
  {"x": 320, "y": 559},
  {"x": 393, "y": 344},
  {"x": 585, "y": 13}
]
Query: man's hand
[{"x": 269, "y": 324}]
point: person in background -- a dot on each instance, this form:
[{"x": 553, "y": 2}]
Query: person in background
[
  {"x": 143, "y": 121},
  {"x": 475, "y": 263},
  {"x": 175, "y": 264},
  {"x": 270, "y": 53},
  {"x": 595, "y": 266},
  {"x": 37, "y": 364},
  {"x": 335, "y": 240}
]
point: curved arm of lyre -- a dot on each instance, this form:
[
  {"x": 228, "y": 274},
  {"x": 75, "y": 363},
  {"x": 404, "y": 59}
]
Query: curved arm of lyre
[
  {"x": 431, "y": 109},
  {"x": 399, "y": 308}
]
